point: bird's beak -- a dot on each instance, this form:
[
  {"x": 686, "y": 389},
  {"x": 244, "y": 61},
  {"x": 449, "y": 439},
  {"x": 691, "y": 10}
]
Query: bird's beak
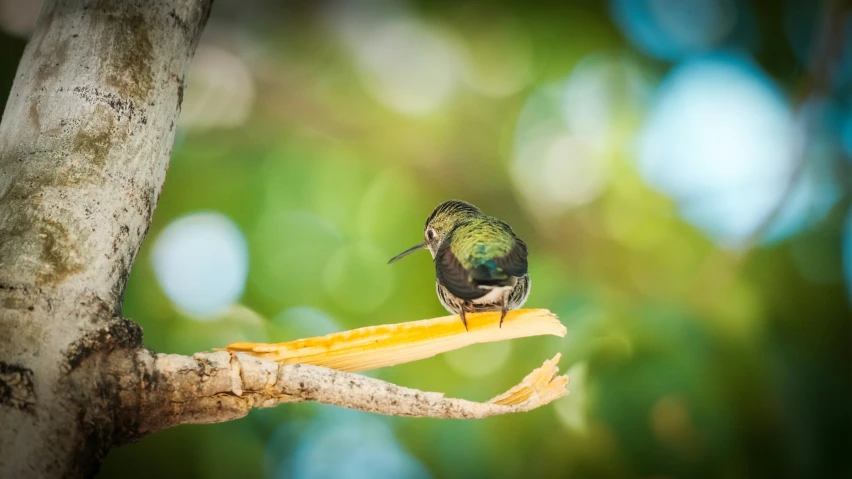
[{"x": 407, "y": 252}]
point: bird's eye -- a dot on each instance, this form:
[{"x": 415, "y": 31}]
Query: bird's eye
[{"x": 430, "y": 234}]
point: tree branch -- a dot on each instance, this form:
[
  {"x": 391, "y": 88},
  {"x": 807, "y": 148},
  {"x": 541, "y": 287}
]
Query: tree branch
[
  {"x": 158, "y": 391},
  {"x": 169, "y": 389},
  {"x": 374, "y": 347}
]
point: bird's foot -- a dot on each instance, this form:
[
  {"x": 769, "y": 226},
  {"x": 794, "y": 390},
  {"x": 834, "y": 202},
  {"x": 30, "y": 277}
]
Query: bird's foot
[{"x": 464, "y": 320}]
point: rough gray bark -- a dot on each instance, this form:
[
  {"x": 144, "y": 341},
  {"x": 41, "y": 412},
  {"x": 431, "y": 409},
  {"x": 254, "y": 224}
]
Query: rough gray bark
[
  {"x": 84, "y": 146},
  {"x": 216, "y": 387}
]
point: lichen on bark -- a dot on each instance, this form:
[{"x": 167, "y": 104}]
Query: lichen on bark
[{"x": 131, "y": 56}]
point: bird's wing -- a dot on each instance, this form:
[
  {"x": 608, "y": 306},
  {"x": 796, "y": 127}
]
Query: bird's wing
[
  {"x": 450, "y": 272},
  {"x": 514, "y": 262},
  {"x": 490, "y": 270}
]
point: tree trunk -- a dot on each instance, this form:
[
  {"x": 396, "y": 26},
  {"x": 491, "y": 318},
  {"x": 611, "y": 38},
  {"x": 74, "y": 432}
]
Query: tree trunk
[{"x": 84, "y": 147}]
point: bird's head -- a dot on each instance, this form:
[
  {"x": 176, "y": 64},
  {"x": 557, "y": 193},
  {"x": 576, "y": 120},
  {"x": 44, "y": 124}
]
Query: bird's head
[{"x": 444, "y": 218}]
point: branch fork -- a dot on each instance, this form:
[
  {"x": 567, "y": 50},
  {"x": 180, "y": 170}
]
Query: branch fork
[{"x": 227, "y": 384}]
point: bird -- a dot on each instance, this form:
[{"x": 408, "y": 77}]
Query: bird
[{"x": 480, "y": 263}]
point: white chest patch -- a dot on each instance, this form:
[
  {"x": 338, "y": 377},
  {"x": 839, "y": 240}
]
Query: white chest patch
[{"x": 494, "y": 295}]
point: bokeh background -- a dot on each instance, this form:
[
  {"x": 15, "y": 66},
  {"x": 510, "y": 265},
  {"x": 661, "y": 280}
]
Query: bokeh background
[{"x": 679, "y": 169}]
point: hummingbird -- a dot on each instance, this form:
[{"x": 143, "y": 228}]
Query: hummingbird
[{"x": 480, "y": 264}]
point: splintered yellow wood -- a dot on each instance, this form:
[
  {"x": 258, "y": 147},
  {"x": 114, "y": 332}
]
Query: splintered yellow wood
[
  {"x": 387, "y": 345},
  {"x": 541, "y": 385}
]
